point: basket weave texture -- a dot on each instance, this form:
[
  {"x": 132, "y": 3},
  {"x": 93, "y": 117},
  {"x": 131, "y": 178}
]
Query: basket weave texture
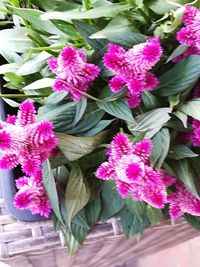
[{"x": 36, "y": 244}]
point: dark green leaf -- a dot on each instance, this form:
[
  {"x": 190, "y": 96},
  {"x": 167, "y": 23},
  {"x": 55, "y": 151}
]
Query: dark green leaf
[
  {"x": 126, "y": 39},
  {"x": 150, "y": 101},
  {"x": 181, "y": 77},
  {"x": 161, "y": 142},
  {"x": 194, "y": 221},
  {"x": 154, "y": 215},
  {"x": 118, "y": 108},
  {"x": 181, "y": 152},
  {"x": 177, "y": 52},
  {"x": 66, "y": 28},
  {"x": 86, "y": 30},
  {"x": 111, "y": 200},
  {"x": 80, "y": 110},
  {"x": 77, "y": 193},
  {"x": 136, "y": 207},
  {"x": 93, "y": 210},
  {"x": 50, "y": 186},
  {"x": 160, "y": 7},
  {"x": 182, "y": 117},
  {"x": 185, "y": 173},
  {"x": 101, "y": 125},
  {"x": 131, "y": 224}
]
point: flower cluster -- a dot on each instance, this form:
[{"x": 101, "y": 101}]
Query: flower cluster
[
  {"x": 132, "y": 68},
  {"x": 32, "y": 195},
  {"x": 73, "y": 73},
  {"x": 182, "y": 201},
  {"x": 28, "y": 143},
  {"x": 128, "y": 165},
  {"x": 190, "y": 34}
]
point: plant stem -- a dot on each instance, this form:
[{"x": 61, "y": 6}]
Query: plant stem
[
  {"x": 87, "y": 4},
  {"x": 22, "y": 95},
  {"x": 83, "y": 93},
  {"x": 47, "y": 48}
]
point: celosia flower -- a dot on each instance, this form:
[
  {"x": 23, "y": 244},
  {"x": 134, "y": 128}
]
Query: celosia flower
[
  {"x": 24, "y": 141},
  {"x": 182, "y": 201},
  {"x": 131, "y": 68},
  {"x": 32, "y": 195},
  {"x": 73, "y": 73},
  {"x": 190, "y": 34},
  {"x": 128, "y": 165}
]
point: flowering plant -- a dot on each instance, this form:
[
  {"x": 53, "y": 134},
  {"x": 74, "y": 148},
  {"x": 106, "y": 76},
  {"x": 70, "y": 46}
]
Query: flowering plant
[{"x": 117, "y": 127}]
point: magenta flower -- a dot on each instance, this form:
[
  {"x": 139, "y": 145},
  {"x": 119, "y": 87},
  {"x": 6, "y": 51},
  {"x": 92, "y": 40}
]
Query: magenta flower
[
  {"x": 132, "y": 68},
  {"x": 182, "y": 201},
  {"x": 128, "y": 165},
  {"x": 32, "y": 195},
  {"x": 190, "y": 34},
  {"x": 24, "y": 141},
  {"x": 72, "y": 72}
]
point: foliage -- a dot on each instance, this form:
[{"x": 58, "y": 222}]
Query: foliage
[{"x": 33, "y": 31}]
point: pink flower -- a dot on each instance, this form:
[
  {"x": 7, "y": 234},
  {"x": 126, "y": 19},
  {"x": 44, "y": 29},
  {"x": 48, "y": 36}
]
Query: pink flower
[
  {"x": 131, "y": 68},
  {"x": 73, "y": 73},
  {"x": 128, "y": 166},
  {"x": 190, "y": 34},
  {"x": 182, "y": 201},
  {"x": 25, "y": 141},
  {"x": 32, "y": 195}
]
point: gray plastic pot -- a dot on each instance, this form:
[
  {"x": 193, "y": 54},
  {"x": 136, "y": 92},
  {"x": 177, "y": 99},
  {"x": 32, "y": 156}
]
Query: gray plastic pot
[{"x": 7, "y": 183}]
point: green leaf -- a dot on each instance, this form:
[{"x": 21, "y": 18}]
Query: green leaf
[
  {"x": 126, "y": 39},
  {"x": 191, "y": 108},
  {"x": 80, "y": 110},
  {"x": 66, "y": 28},
  {"x": 194, "y": 221},
  {"x": 55, "y": 98},
  {"x": 77, "y": 193},
  {"x": 93, "y": 210},
  {"x": 42, "y": 83},
  {"x": 74, "y": 147},
  {"x": 14, "y": 40},
  {"x": 181, "y": 77},
  {"x": 185, "y": 173},
  {"x": 177, "y": 52},
  {"x": 180, "y": 152},
  {"x": 12, "y": 67},
  {"x": 160, "y": 7},
  {"x": 182, "y": 116},
  {"x": 161, "y": 142},
  {"x": 111, "y": 200},
  {"x": 101, "y": 125},
  {"x": 86, "y": 31},
  {"x": 33, "y": 16},
  {"x": 150, "y": 101},
  {"x": 118, "y": 108},
  {"x": 88, "y": 121},
  {"x": 50, "y": 187},
  {"x": 154, "y": 215},
  {"x": 118, "y": 24},
  {"x": 98, "y": 12},
  {"x": 150, "y": 122},
  {"x": 131, "y": 224},
  {"x": 34, "y": 64},
  {"x": 56, "y": 113},
  {"x": 11, "y": 102},
  {"x": 137, "y": 208}
]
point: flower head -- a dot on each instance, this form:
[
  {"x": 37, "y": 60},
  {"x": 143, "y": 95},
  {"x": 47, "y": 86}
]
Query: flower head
[
  {"x": 190, "y": 34},
  {"x": 24, "y": 141},
  {"x": 132, "y": 68},
  {"x": 73, "y": 73},
  {"x": 182, "y": 201},
  {"x": 128, "y": 166}
]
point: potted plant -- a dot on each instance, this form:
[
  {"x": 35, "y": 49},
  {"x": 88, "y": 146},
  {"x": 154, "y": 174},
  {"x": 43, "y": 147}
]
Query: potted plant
[{"x": 115, "y": 87}]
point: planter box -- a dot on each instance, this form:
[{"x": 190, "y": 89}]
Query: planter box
[{"x": 7, "y": 179}]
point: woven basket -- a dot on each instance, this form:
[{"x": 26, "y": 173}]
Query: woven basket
[{"x": 36, "y": 244}]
